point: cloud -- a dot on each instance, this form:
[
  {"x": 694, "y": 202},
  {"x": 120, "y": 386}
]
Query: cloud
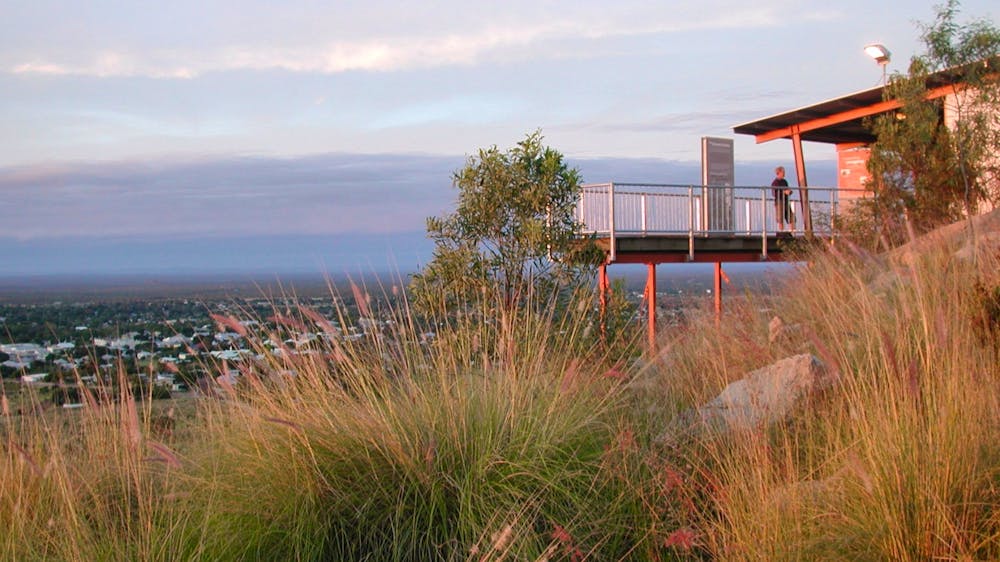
[{"x": 524, "y": 32}]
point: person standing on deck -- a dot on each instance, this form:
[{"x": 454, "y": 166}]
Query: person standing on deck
[{"x": 782, "y": 205}]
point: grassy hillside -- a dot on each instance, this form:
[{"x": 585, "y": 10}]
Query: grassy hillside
[
  {"x": 523, "y": 438},
  {"x": 901, "y": 460}
]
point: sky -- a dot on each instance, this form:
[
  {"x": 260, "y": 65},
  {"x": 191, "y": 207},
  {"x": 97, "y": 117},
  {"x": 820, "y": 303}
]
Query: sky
[{"x": 315, "y": 136}]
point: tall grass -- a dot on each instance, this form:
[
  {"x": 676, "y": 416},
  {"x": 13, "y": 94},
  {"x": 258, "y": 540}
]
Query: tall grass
[
  {"x": 900, "y": 461},
  {"x": 481, "y": 444},
  {"x": 503, "y": 437},
  {"x": 91, "y": 485},
  {"x": 519, "y": 435}
]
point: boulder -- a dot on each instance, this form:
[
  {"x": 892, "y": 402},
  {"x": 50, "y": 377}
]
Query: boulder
[{"x": 765, "y": 396}]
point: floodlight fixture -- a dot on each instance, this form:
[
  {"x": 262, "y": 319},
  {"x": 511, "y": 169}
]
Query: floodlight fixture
[
  {"x": 878, "y": 52},
  {"x": 881, "y": 55}
]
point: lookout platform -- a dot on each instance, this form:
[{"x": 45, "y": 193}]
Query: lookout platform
[{"x": 639, "y": 223}]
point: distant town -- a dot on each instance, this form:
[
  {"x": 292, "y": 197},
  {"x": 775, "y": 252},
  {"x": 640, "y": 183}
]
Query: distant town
[
  {"x": 165, "y": 345},
  {"x": 170, "y": 338}
]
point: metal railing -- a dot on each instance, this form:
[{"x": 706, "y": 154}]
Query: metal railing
[{"x": 639, "y": 209}]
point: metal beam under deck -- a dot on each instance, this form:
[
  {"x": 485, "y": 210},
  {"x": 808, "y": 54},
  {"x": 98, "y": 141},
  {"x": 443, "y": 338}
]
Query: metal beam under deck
[
  {"x": 725, "y": 248},
  {"x": 703, "y": 257}
]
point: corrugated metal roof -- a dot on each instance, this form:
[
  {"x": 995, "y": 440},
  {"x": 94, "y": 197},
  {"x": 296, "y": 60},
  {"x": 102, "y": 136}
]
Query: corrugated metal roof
[{"x": 850, "y": 131}]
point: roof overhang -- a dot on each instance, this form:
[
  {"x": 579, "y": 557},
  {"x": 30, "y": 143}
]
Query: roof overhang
[
  {"x": 841, "y": 120},
  {"x": 835, "y": 121}
]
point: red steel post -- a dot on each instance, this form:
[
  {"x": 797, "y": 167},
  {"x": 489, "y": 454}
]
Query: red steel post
[
  {"x": 800, "y": 173},
  {"x": 718, "y": 291},
  {"x": 651, "y": 306},
  {"x": 603, "y": 285}
]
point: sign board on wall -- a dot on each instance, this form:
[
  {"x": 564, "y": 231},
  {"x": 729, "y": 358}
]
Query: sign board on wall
[{"x": 718, "y": 173}]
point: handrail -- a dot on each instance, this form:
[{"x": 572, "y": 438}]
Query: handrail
[{"x": 647, "y": 209}]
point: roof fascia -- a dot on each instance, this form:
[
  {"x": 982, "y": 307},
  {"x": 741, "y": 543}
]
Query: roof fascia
[{"x": 849, "y": 115}]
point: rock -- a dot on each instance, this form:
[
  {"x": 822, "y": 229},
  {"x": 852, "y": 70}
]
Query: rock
[
  {"x": 767, "y": 395},
  {"x": 956, "y": 235},
  {"x": 985, "y": 244},
  {"x": 778, "y": 330},
  {"x": 774, "y": 329}
]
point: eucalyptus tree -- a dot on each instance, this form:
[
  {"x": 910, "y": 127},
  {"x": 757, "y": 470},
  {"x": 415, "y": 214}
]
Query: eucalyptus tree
[
  {"x": 513, "y": 231},
  {"x": 936, "y": 158}
]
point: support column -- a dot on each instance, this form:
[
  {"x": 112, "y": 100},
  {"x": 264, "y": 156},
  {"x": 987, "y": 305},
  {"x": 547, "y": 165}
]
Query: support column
[
  {"x": 800, "y": 173},
  {"x": 603, "y": 286},
  {"x": 651, "y": 306},
  {"x": 718, "y": 291}
]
